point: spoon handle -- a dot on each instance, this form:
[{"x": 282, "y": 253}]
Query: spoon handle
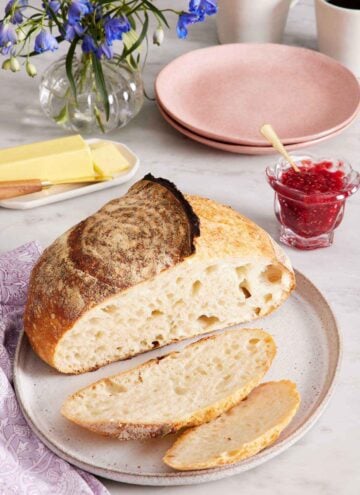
[{"x": 269, "y": 133}]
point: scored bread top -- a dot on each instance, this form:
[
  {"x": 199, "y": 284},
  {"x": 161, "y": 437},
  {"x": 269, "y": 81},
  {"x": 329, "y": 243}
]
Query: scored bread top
[{"x": 129, "y": 241}]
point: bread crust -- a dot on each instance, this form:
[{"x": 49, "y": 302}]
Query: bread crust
[
  {"x": 128, "y": 242},
  {"x": 245, "y": 451}
]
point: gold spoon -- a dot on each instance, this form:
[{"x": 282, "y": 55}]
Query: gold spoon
[{"x": 269, "y": 133}]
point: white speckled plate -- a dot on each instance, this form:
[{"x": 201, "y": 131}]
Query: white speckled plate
[
  {"x": 61, "y": 192},
  {"x": 309, "y": 350}
]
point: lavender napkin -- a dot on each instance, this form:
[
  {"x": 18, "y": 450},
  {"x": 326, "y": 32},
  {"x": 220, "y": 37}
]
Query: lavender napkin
[{"x": 27, "y": 467}]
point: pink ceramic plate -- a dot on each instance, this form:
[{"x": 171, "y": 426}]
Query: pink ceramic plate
[
  {"x": 243, "y": 150},
  {"x": 227, "y": 92}
]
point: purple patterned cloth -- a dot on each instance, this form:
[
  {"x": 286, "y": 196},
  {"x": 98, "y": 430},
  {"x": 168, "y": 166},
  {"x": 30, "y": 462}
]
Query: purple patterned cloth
[{"x": 27, "y": 467}]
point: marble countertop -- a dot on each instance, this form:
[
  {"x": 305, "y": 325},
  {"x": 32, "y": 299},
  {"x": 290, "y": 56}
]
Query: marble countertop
[{"x": 326, "y": 461}]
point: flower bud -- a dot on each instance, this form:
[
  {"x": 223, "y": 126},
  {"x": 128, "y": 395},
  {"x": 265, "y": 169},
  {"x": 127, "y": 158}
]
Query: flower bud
[
  {"x": 20, "y": 34},
  {"x": 31, "y": 69},
  {"x": 14, "y": 64},
  {"x": 158, "y": 36},
  {"x": 6, "y": 64}
]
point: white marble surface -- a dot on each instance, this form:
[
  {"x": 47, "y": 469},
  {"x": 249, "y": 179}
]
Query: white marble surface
[{"x": 326, "y": 461}]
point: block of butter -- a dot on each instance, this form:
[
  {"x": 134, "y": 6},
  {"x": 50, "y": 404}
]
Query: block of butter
[
  {"x": 55, "y": 160},
  {"x": 108, "y": 159}
]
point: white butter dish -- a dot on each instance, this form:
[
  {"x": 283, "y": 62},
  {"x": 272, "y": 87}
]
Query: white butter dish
[{"x": 57, "y": 193}]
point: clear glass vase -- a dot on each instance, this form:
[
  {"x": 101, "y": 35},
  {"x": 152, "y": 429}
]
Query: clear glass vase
[{"x": 86, "y": 114}]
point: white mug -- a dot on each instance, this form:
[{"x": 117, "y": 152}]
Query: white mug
[
  {"x": 338, "y": 31},
  {"x": 252, "y": 21}
]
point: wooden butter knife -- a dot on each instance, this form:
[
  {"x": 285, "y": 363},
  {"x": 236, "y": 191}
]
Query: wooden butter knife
[{"x": 14, "y": 188}]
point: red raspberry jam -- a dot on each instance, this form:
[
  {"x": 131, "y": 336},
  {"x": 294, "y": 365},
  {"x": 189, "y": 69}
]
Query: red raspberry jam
[{"x": 310, "y": 204}]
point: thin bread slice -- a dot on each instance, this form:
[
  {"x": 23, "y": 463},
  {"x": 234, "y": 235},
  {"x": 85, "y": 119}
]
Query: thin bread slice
[
  {"x": 178, "y": 390},
  {"x": 239, "y": 433}
]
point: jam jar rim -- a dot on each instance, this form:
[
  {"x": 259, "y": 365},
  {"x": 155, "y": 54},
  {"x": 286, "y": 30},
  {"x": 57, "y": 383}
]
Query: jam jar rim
[{"x": 318, "y": 197}]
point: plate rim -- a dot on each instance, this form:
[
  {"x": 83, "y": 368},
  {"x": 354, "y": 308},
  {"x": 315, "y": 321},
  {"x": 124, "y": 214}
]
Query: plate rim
[
  {"x": 257, "y": 142},
  {"x": 243, "y": 149},
  {"x": 197, "y": 476}
]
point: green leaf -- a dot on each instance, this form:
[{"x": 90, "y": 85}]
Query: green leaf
[
  {"x": 69, "y": 63},
  {"x": 126, "y": 52},
  {"x": 98, "y": 119},
  {"x": 63, "y": 116},
  {"x": 132, "y": 22},
  {"x": 100, "y": 83},
  {"x": 53, "y": 17},
  {"x": 156, "y": 11}
]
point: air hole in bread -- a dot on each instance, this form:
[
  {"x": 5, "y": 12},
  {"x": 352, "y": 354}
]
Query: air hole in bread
[
  {"x": 241, "y": 271},
  {"x": 268, "y": 297},
  {"x": 156, "y": 312},
  {"x": 117, "y": 387},
  {"x": 211, "y": 269},
  {"x": 207, "y": 321},
  {"x": 253, "y": 341},
  {"x": 257, "y": 311},
  {"x": 180, "y": 390},
  {"x": 99, "y": 334},
  {"x": 111, "y": 308},
  {"x": 245, "y": 289},
  {"x": 95, "y": 321},
  {"x": 196, "y": 287},
  {"x": 251, "y": 348},
  {"x": 155, "y": 343},
  {"x": 273, "y": 274}
]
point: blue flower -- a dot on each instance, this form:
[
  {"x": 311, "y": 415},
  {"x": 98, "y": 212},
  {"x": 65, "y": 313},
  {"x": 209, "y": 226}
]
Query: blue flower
[
  {"x": 115, "y": 28},
  {"x": 184, "y": 20},
  {"x": 54, "y": 5},
  {"x": 88, "y": 44},
  {"x": 45, "y": 41},
  {"x": 202, "y": 7},
  {"x": 105, "y": 50},
  {"x": 77, "y": 10},
  {"x": 8, "y": 37},
  {"x": 16, "y": 13},
  {"x": 72, "y": 30}
]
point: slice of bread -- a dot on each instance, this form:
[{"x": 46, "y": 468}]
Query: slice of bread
[
  {"x": 180, "y": 389},
  {"x": 239, "y": 433}
]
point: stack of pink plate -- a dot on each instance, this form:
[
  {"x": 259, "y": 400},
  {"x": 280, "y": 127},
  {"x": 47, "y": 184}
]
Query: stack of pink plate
[{"x": 221, "y": 95}]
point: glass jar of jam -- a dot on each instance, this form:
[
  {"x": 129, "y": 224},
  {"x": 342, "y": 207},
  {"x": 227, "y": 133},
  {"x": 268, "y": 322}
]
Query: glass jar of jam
[{"x": 310, "y": 204}]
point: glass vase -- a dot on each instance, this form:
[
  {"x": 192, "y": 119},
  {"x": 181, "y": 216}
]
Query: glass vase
[{"x": 86, "y": 113}]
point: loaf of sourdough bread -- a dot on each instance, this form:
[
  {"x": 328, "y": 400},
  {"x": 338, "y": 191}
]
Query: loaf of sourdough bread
[
  {"x": 239, "y": 433},
  {"x": 181, "y": 389},
  {"x": 150, "y": 268}
]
